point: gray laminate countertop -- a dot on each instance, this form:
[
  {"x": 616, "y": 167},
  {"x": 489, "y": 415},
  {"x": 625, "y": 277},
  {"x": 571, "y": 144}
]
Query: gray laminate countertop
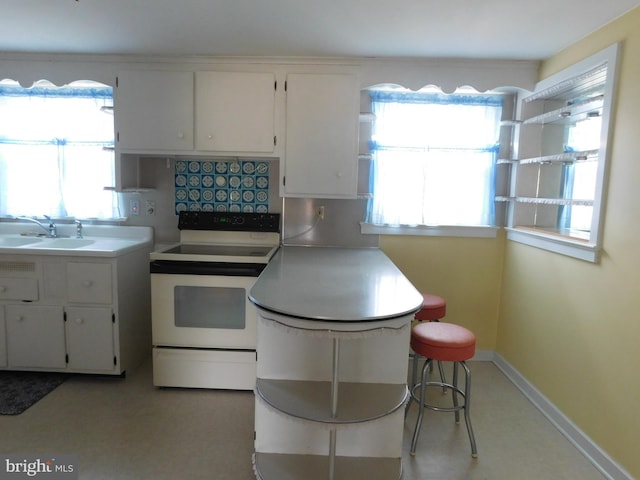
[{"x": 335, "y": 284}]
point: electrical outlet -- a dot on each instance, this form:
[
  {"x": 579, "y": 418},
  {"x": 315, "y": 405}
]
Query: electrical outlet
[
  {"x": 150, "y": 207},
  {"x": 320, "y": 212},
  {"x": 134, "y": 207}
]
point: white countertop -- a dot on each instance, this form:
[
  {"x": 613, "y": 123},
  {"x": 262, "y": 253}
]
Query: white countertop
[
  {"x": 97, "y": 240},
  {"x": 335, "y": 284}
]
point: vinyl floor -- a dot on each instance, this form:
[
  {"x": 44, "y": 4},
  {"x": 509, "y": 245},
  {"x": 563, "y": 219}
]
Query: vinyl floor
[{"x": 127, "y": 429}]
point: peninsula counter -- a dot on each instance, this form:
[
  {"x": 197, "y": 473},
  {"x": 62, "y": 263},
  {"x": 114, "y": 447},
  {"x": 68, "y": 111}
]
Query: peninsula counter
[{"x": 333, "y": 342}]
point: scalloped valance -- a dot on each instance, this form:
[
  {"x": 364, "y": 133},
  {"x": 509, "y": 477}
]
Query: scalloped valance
[{"x": 446, "y": 74}]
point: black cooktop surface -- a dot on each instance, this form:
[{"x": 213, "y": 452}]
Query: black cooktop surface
[{"x": 221, "y": 250}]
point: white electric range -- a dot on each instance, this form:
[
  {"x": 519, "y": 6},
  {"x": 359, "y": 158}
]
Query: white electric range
[{"x": 203, "y": 325}]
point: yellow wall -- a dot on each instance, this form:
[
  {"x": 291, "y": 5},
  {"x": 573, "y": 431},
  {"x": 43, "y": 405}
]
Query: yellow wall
[
  {"x": 464, "y": 271},
  {"x": 570, "y": 327}
]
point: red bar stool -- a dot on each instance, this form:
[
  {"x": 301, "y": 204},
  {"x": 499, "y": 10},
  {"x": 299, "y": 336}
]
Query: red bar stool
[
  {"x": 434, "y": 307},
  {"x": 443, "y": 342}
]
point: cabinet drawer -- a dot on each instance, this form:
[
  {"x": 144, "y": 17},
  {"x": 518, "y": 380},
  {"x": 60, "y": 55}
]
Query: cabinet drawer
[
  {"x": 18, "y": 288},
  {"x": 89, "y": 283}
]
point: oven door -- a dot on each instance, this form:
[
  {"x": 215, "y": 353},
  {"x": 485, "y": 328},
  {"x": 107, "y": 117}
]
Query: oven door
[{"x": 203, "y": 311}]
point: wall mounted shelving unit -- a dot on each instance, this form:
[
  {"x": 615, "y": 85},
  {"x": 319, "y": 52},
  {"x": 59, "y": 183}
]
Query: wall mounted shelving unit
[{"x": 558, "y": 184}]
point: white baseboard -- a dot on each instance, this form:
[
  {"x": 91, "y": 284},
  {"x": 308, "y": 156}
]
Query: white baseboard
[
  {"x": 598, "y": 457},
  {"x": 484, "y": 356}
]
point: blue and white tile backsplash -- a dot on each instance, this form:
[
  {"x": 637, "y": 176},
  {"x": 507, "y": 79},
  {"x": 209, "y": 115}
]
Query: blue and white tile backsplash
[{"x": 222, "y": 186}]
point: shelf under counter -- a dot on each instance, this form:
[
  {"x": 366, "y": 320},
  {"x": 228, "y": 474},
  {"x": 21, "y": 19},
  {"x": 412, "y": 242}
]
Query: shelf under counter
[
  {"x": 311, "y": 400},
  {"x": 278, "y": 466}
]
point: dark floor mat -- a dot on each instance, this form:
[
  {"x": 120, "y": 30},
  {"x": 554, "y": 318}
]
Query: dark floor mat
[{"x": 20, "y": 390}]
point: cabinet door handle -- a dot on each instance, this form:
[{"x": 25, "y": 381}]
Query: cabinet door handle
[
  {"x": 87, "y": 283},
  {"x": 3, "y": 288},
  {"x": 180, "y": 135},
  {"x": 210, "y": 137},
  {"x": 79, "y": 321},
  {"x": 20, "y": 318}
]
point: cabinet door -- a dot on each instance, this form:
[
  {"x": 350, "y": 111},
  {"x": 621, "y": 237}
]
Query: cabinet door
[
  {"x": 154, "y": 110},
  {"x": 89, "y": 283},
  {"x": 3, "y": 339},
  {"x": 90, "y": 343},
  {"x": 35, "y": 336},
  {"x": 235, "y": 111},
  {"x": 321, "y": 149}
]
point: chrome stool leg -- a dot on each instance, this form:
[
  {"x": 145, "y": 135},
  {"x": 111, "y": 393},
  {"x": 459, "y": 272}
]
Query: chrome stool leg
[
  {"x": 467, "y": 406},
  {"x": 454, "y": 393},
  {"x": 414, "y": 377},
  {"x": 442, "y": 377},
  {"x": 457, "y": 406},
  {"x": 421, "y": 405}
]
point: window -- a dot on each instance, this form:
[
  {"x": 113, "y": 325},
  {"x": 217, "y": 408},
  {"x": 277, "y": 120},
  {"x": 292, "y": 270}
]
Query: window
[
  {"x": 579, "y": 177},
  {"x": 56, "y": 150},
  {"x": 434, "y": 158},
  {"x": 562, "y": 138}
]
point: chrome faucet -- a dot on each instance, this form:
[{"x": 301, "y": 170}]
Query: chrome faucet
[
  {"x": 78, "y": 229},
  {"x": 51, "y": 230}
]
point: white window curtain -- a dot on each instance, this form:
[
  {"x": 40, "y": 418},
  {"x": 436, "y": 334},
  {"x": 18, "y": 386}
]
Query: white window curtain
[
  {"x": 56, "y": 150},
  {"x": 434, "y": 158},
  {"x": 579, "y": 178}
]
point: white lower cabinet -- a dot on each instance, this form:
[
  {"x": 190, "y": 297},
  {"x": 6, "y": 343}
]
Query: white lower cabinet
[
  {"x": 35, "y": 336},
  {"x": 89, "y": 335},
  {"x": 75, "y": 314},
  {"x": 89, "y": 283}
]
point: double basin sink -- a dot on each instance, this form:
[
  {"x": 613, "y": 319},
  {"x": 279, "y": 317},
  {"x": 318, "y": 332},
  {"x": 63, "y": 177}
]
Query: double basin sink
[
  {"x": 43, "y": 242},
  {"x": 100, "y": 240}
]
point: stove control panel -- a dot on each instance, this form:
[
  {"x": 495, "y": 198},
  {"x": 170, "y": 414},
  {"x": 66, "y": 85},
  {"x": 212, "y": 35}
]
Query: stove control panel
[{"x": 227, "y": 221}]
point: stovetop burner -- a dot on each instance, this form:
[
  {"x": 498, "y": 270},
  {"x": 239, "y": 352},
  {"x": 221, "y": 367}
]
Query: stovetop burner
[{"x": 224, "y": 237}]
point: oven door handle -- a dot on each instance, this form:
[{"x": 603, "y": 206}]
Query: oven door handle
[{"x": 170, "y": 267}]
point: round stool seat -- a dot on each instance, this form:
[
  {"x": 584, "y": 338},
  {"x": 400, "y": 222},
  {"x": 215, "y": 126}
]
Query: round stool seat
[
  {"x": 443, "y": 341},
  {"x": 434, "y": 307}
]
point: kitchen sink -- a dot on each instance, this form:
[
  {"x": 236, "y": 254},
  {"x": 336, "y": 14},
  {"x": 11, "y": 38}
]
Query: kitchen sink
[
  {"x": 19, "y": 238},
  {"x": 18, "y": 241},
  {"x": 65, "y": 243}
]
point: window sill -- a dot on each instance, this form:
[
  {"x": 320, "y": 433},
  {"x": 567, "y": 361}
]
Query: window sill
[
  {"x": 557, "y": 243},
  {"x": 431, "y": 231}
]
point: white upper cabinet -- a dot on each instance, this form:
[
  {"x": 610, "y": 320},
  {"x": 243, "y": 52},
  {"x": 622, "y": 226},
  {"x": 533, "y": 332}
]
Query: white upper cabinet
[
  {"x": 321, "y": 148},
  {"x": 154, "y": 111},
  {"x": 235, "y": 112},
  {"x": 187, "y": 112}
]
